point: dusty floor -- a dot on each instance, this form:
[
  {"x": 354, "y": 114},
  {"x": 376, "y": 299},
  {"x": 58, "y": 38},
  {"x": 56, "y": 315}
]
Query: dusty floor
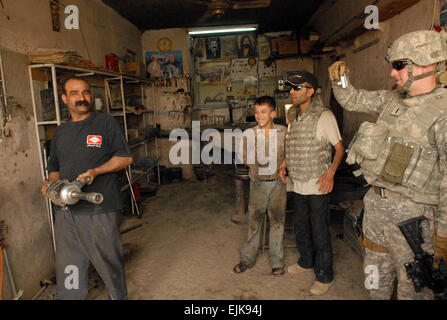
[{"x": 188, "y": 245}]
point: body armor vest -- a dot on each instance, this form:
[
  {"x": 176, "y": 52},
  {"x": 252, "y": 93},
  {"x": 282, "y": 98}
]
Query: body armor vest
[
  {"x": 399, "y": 151},
  {"x": 307, "y": 156}
]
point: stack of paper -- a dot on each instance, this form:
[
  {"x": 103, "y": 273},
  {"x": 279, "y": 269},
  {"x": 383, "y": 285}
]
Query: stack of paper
[{"x": 56, "y": 56}]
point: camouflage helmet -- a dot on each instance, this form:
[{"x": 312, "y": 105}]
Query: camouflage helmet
[{"x": 422, "y": 47}]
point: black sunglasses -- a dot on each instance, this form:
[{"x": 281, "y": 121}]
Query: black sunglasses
[
  {"x": 399, "y": 65},
  {"x": 288, "y": 86}
]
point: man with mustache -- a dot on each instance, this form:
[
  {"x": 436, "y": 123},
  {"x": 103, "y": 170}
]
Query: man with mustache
[
  {"x": 88, "y": 145},
  {"x": 404, "y": 157}
]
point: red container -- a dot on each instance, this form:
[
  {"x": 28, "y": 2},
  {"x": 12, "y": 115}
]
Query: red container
[
  {"x": 112, "y": 62},
  {"x": 136, "y": 191}
]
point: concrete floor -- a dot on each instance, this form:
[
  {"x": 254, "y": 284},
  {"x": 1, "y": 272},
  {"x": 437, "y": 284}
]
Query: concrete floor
[{"x": 188, "y": 245}]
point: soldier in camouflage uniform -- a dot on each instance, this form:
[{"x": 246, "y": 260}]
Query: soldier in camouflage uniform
[
  {"x": 312, "y": 133},
  {"x": 403, "y": 156}
]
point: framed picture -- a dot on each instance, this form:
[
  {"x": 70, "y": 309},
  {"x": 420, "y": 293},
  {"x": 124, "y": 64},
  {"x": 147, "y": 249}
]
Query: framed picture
[
  {"x": 199, "y": 49},
  {"x": 164, "y": 64},
  {"x": 228, "y": 47},
  {"x": 263, "y": 47},
  {"x": 246, "y": 46},
  {"x": 214, "y": 72},
  {"x": 213, "y": 48}
]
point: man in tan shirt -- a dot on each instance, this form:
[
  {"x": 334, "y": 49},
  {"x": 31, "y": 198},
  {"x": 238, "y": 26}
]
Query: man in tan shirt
[{"x": 309, "y": 142}]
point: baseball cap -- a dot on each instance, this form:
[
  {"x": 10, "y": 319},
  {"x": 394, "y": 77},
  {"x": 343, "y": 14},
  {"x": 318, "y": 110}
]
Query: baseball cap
[{"x": 301, "y": 77}]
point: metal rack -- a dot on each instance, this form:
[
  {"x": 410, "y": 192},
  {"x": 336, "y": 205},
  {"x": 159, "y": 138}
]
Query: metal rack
[
  {"x": 40, "y": 123},
  {"x": 132, "y": 179}
]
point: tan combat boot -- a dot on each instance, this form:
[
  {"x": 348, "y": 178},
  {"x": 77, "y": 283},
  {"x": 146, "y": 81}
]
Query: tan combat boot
[
  {"x": 319, "y": 288},
  {"x": 297, "y": 269}
]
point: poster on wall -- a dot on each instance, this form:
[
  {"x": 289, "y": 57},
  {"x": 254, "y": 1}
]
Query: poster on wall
[
  {"x": 263, "y": 47},
  {"x": 164, "y": 64},
  {"x": 228, "y": 47},
  {"x": 199, "y": 49},
  {"x": 267, "y": 87},
  {"x": 214, "y": 72},
  {"x": 246, "y": 46},
  {"x": 213, "y": 95},
  {"x": 213, "y": 48},
  {"x": 240, "y": 69}
]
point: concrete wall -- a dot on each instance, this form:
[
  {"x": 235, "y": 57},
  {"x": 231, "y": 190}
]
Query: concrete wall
[
  {"x": 368, "y": 68},
  {"x": 179, "y": 38},
  {"x": 162, "y": 99},
  {"x": 21, "y": 204},
  {"x": 25, "y": 25}
]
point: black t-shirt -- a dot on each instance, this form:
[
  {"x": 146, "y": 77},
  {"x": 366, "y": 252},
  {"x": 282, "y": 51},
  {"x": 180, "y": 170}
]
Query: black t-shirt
[{"x": 82, "y": 145}]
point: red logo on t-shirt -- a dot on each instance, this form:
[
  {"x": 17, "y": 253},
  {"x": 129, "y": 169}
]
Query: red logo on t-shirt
[{"x": 94, "y": 141}]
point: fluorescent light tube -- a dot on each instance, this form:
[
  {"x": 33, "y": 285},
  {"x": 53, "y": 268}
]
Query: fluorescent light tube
[{"x": 221, "y": 30}]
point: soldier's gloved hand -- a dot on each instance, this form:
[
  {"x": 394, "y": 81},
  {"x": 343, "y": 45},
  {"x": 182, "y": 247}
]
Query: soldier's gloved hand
[
  {"x": 337, "y": 69},
  {"x": 440, "y": 248}
]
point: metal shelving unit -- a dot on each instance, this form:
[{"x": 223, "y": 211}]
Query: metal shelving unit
[
  {"x": 124, "y": 113},
  {"x": 51, "y": 71}
]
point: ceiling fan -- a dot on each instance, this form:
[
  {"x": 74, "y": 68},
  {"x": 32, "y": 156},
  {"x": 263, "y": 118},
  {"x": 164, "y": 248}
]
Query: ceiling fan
[{"x": 217, "y": 8}]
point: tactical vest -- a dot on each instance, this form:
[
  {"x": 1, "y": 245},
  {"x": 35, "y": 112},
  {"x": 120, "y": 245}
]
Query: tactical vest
[
  {"x": 399, "y": 151},
  {"x": 307, "y": 156}
]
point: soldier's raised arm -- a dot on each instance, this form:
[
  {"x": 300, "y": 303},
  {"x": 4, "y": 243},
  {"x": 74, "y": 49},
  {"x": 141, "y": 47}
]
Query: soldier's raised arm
[{"x": 353, "y": 99}]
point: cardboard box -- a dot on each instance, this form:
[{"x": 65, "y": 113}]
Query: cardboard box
[
  {"x": 136, "y": 69},
  {"x": 275, "y": 45},
  {"x": 288, "y": 47},
  {"x": 307, "y": 45},
  {"x": 285, "y": 47}
]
